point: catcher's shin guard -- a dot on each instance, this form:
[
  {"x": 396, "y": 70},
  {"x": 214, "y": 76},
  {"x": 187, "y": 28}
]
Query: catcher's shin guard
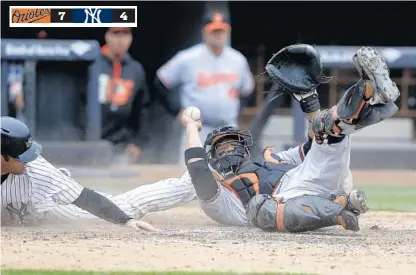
[
  {"x": 262, "y": 212},
  {"x": 304, "y": 213},
  {"x": 307, "y": 213},
  {"x": 355, "y": 201},
  {"x": 352, "y": 113}
]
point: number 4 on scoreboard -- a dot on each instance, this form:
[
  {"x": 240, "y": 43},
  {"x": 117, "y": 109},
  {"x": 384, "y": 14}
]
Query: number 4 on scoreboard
[{"x": 124, "y": 16}]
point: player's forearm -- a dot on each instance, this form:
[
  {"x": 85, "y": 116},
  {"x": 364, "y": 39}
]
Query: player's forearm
[
  {"x": 310, "y": 105},
  {"x": 101, "y": 207},
  {"x": 196, "y": 160},
  {"x": 192, "y": 139},
  {"x": 203, "y": 180}
]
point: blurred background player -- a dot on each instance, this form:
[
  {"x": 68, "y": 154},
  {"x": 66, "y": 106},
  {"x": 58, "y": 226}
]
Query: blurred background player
[
  {"x": 16, "y": 95},
  {"x": 211, "y": 76},
  {"x": 123, "y": 94}
]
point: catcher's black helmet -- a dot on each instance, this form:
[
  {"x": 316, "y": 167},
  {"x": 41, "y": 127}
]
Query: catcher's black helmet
[
  {"x": 17, "y": 142},
  {"x": 227, "y": 160}
]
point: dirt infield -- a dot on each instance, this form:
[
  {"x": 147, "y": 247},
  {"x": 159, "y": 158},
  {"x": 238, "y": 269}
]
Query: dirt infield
[
  {"x": 386, "y": 243},
  {"x": 385, "y": 177},
  {"x": 190, "y": 241}
]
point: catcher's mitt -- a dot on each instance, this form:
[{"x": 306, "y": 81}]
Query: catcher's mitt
[{"x": 297, "y": 69}]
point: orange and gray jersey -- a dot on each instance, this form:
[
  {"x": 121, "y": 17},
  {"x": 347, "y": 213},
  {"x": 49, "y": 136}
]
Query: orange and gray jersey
[{"x": 211, "y": 83}]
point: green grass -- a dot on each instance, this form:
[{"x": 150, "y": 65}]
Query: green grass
[
  {"x": 57, "y": 272},
  {"x": 391, "y": 198}
]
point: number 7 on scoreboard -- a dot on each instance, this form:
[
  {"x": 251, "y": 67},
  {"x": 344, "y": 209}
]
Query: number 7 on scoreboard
[{"x": 62, "y": 15}]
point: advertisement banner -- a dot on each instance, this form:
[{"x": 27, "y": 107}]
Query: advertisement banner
[
  {"x": 57, "y": 50},
  {"x": 341, "y": 56}
]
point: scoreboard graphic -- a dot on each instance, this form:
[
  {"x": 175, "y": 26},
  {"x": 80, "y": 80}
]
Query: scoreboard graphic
[{"x": 73, "y": 16}]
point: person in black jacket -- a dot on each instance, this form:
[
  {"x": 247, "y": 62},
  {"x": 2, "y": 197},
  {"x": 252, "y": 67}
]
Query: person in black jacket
[{"x": 123, "y": 94}]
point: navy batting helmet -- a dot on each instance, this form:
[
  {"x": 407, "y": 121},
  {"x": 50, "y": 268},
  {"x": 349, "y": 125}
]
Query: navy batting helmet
[{"x": 17, "y": 142}]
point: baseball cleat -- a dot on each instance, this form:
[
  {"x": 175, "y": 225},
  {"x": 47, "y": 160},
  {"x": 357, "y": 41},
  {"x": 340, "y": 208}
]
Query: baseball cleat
[
  {"x": 348, "y": 220},
  {"x": 373, "y": 67},
  {"x": 357, "y": 202}
]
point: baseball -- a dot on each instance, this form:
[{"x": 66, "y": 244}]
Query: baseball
[{"x": 192, "y": 112}]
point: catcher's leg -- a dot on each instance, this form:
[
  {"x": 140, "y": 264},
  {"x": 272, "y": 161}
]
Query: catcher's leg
[
  {"x": 303, "y": 213},
  {"x": 324, "y": 170},
  {"x": 225, "y": 208},
  {"x": 368, "y": 102},
  {"x": 352, "y": 113}
]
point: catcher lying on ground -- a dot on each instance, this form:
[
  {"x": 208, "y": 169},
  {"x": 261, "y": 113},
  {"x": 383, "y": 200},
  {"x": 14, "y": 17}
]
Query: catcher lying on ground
[{"x": 289, "y": 191}]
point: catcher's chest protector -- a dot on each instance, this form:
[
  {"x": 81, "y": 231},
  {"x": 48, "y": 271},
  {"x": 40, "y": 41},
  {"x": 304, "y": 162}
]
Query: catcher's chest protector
[{"x": 260, "y": 175}]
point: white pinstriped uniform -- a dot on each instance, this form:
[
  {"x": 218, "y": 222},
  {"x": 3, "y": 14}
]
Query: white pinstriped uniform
[{"x": 45, "y": 192}]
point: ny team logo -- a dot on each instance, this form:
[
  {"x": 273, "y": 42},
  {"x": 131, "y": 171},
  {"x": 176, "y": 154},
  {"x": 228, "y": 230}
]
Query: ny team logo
[
  {"x": 92, "y": 15},
  {"x": 29, "y": 143}
]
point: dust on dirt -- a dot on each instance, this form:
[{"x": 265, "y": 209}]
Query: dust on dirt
[{"x": 386, "y": 244}]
